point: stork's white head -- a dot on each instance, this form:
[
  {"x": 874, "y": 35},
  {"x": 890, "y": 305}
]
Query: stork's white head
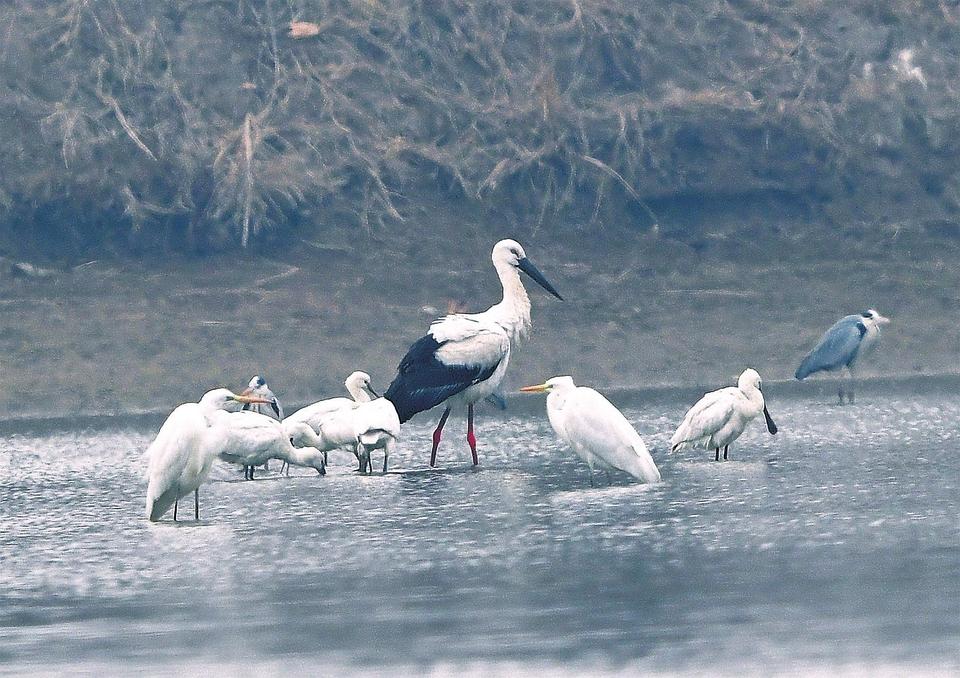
[
  {"x": 560, "y": 384},
  {"x": 872, "y": 317},
  {"x": 227, "y": 400},
  {"x": 509, "y": 254}
]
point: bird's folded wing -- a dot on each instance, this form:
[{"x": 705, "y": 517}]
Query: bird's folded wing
[
  {"x": 706, "y": 417},
  {"x": 836, "y": 347},
  {"x": 598, "y": 425}
]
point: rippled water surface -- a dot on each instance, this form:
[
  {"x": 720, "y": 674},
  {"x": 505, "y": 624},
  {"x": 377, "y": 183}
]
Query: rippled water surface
[{"x": 832, "y": 546}]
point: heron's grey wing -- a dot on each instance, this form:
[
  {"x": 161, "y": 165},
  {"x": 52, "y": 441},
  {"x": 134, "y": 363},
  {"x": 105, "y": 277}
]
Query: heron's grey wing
[{"x": 836, "y": 348}]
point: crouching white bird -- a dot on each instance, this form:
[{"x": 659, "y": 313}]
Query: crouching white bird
[
  {"x": 848, "y": 341},
  {"x": 180, "y": 457},
  {"x": 361, "y": 430},
  {"x": 358, "y": 383},
  {"x": 250, "y": 439},
  {"x": 595, "y": 429},
  {"x": 464, "y": 356},
  {"x": 719, "y": 417}
]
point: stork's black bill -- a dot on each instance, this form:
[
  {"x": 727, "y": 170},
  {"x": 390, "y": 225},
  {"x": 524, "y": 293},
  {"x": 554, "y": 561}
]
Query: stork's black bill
[
  {"x": 772, "y": 427},
  {"x": 527, "y": 267}
]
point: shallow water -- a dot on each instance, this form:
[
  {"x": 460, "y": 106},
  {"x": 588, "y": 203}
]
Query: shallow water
[{"x": 834, "y": 546}]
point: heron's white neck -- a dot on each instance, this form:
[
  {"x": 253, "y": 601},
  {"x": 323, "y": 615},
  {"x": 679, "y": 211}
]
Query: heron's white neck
[{"x": 513, "y": 312}]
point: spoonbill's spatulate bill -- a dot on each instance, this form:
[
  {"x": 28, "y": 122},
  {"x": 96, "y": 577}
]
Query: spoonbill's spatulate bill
[
  {"x": 358, "y": 383},
  {"x": 463, "y": 357},
  {"x": 848, "y": 341},
  {"x": 180, "y": 457},
  {"x": 720, "y": 417},
  {"x": 595, "y": 429}
]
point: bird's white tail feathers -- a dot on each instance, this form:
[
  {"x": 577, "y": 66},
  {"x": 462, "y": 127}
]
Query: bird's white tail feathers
[{"x": 641, "y": 465}]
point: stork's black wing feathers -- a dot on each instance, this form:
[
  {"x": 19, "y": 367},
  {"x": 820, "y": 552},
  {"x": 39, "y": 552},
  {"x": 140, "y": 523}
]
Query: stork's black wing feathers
[{"x": 423, "y": 381}]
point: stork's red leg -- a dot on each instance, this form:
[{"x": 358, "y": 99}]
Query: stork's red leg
[
  {"x": 471, "y": 439},
  {"x": 436, "y": 437}
]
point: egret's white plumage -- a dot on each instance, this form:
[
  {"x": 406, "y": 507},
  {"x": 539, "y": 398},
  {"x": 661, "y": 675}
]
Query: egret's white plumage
[
  {"x": 595, "y": 429},
  {"x": 180, "y": 457},
  {"x": 845, "y": 344},
  {"x": 361, "y": 430},
  {"x": 463, "y": 357},
  {"x": 719, "y": 418}
]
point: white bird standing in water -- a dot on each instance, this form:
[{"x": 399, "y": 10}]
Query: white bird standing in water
[
  {"x": 361, "y": 430},
  {"x": 463, "y": 357},
  {"x": 181, "y": 455},
  {"x": 850, "y": 339},
  {"x": 314, "y": 414},
  {"x": 249, "y": 439},
  {"x": 720, "y": 416},
  {"x": 595, "y": 429}
]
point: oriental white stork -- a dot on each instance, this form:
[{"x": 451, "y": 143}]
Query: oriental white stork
[{"x": 463, "y": 357}]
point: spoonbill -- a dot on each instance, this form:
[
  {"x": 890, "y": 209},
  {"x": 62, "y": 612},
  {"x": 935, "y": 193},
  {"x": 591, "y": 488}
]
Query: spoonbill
[
  {"x": 843, "y": 345},
  {"x": 258, "y": 388},
  {"x": 719, "y": 417},
  {"x": 361, "y": 430},
  {"x": 463, "y": 357},
  {"x": 313, "y": 415},
  {"x": 181, "y": 455},
  {"x": 249, "y": 439},
  {"x": 595, "y": 429}
]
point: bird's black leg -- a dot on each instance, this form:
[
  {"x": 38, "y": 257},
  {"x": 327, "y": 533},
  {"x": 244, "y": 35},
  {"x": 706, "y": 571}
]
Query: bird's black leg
[
  {"x": 471, "y": 439},
  {"x": 196, "y": 504},
  {"x": 251, "y": 472},
  {"x": 725, "y": 447},
  {"x": 175, "y": 509},
  {"x": 436, "y": 437},
  {"x": 717, "y": 458},
  {"x": 841, "y": 393}
]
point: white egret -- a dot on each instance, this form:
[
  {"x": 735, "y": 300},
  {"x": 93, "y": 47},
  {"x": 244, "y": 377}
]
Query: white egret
[
  {"x": 720, "y": 416},
  {"x": 181, "y": 455},
  {"x": 362, "y": 429},
  {"x": 850, "y": 339},
  {"x": 313, "y": 414},
  {"x": 463, "y": 357},
  {"x": 595, "y": 429}
]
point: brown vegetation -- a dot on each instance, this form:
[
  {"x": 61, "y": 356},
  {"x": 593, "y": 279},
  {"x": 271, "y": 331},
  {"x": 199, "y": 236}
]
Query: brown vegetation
[{"x": 194, "y": 124}]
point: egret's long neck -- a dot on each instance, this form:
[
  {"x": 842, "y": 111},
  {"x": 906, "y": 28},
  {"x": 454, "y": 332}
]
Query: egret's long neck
[{"x": 513, "y": 312}]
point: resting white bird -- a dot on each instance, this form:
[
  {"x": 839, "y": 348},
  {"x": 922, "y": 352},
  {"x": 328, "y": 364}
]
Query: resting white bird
[
  {"x": 180, "y": 457},
  {"x": 313, "y": 414},
  {"x": 463, "y": 357},
  {"x": 362, "y": 429},
  {"x": 595, "y": 429},
  {"x": 720, "y": 417},
  {"x": 249, "y": 439}
]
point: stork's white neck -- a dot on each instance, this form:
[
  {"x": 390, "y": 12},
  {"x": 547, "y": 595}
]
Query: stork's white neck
[{"x": 513, "y": 311}]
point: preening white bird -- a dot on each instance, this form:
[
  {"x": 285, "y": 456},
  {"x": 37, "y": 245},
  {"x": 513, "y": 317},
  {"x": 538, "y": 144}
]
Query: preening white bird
[
  {"x": 180, "y": 457},
  {"x": 463, "y": 357},
  {"x": 595, "y": 429},
  {"x": 361, "y": 430},
  {"x": 720, "y": 416},
  {"x": 849, "y": 340},
  {"x": 258, "y": 388},
  {"x": 358, "y": 383},
  {"x": 249, "y": 439}
]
